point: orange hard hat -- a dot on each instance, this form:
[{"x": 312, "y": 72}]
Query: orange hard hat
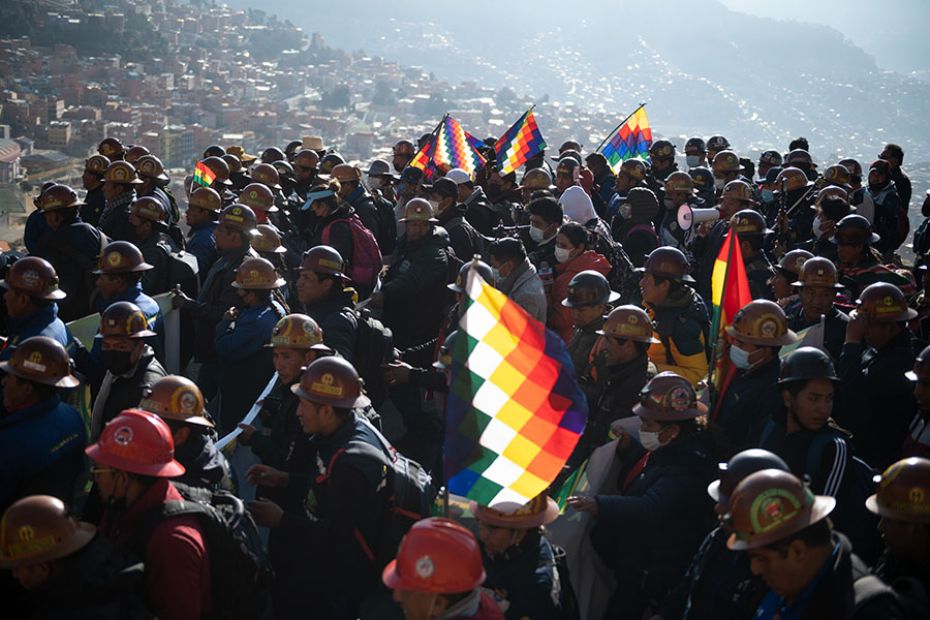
[
  {"x": 437, "y": 555},
  {"x": 137, "y": 442}
]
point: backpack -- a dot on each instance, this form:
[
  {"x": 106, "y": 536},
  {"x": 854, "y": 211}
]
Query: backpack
[
  {"x": 374, "y": 347},
  {"x": 621, "y": 276},
  {"x": 240, "y": 572},
  {"x": 409, "y": 496},
  {"x": 568, "y": 600},
  {"x": 183, "y": 270},
  {"x": 366, "y": 262}
]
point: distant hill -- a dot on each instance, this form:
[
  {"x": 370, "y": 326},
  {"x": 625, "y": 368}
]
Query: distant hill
[{"x": 703, "y": 68}]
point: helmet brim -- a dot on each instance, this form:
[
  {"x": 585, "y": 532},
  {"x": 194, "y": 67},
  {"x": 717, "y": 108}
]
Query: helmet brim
[
  {"x": 497, "y": 519},
  {"x": 54, "y": 295},
  {"x": 265, "y": 287},
  {"x": 823, "y": 506},
  {"x": 82, "y": 534},
  {"x": 789, "y": 337},
  {"x": 800, "y": 284},
  {"x": 360, "y": 401},
  {"x": 875, "y": 238},
  {"x": 68, "y": 381},
  {"x": 171, "y": 469},
  {"x": 645, "y": 413}
]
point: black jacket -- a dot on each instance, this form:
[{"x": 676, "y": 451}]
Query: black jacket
[
  {"x": 525, "y": 577},
  {"x": 414, "y": 289},
  {"x": 73, "y": 250},
  {"x": 338, "y": 321},
  {"x": 204, "y": 465},
  {"x": 463, "y": 238},
  {"x": 878, "y": 399},
  {"x": 751, "y": 399},
  {"x": 480, "y": 213},
  {"x": 128, "y": 392},
  {"x": 834, "y": 328}
]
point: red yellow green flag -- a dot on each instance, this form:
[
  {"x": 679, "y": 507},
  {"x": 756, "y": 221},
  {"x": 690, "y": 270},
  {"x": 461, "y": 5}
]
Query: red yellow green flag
[{"x": 203, "y": 176}]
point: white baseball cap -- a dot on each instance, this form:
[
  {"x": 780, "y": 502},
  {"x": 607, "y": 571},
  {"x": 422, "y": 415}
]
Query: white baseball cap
[{"x": 458, "y": 176}]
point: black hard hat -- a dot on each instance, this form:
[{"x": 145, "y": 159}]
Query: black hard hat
[
  {"x": 806, "y": 363},
  {"x": 461, "y": 280},
  {"x": 589, "y": 288},
  {"x": 854, "y": 229},
  {"x": 695, "y": 144},
  {"x": 742, "y": 464}
]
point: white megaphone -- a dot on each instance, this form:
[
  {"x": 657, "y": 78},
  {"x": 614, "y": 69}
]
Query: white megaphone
[{"x": 688, "y": 217}]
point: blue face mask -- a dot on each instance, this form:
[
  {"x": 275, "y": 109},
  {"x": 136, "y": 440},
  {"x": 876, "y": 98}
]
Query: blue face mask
[
  {"x": 497, "y": 274},
  {"x": 739, "y": 357},
  {"x": 768, "y": 195}
]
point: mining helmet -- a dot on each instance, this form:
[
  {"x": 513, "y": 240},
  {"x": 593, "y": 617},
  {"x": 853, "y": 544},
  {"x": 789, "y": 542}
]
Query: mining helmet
[
  {"x": 791, "y": 263},
  {"x": 97, "y": 165},
  {"x": 854, "y": 230},
  {"x": 285, "y": 169},
  {"x": 738, "y": 467},
  {"x": 749, "y": 223},
  {"x": 662, "y": 149},
  {"x": 34, "y": 276},
  {"x": 271, "y": 155},
  {"x": 444, "y": 359},
  {"x": 629, "y": 322},
  {"x": 331, "y": 381},
  {"x": 771, "y": 505},
  {"x": 739, "y": 190},
  {"x": 267, "y": 175},
  {"x": 121, "y": 257},
  {"x": 151, "y": 167},
  {"x": 151, "y": 210},
  {"x": 330, "y": 161},
  {"x": 668, "y": 397},
  {"x": 667, "y": 262},
  {"x": 883, "y": 302},
  {"x": 461, "y": 279},
  {"x": 436, "y": 555},
  {"x": 323, "y": 259},
  {"x": 238, "y": 217},
  {"x": 589, "y": 288},
  {"x": 42, "y": 360},
  {"x": 137, "y": 442},
  {"x": 121, "y": 173},
  {"x": 852, "y": 166},
  {"x": 298, "y": 331},
  {"x": 702, "y": 177},
  {"x": 346, "y": 172},
  {"x": 267, "y": 240},
  {"x": 111, "y": 148},
  {"x": 791, "y": 179},
  {"x": 762, "y": 322},
  {"x": 837, "y": 174},
  {"x": 903, "y": 492},
  {"x": 805, "y": 364},
  {"x": 726, "y": 161},
  {"x": 717, "y": 143},
  {"x": 818, "y": 271},
  {"x": 537, "y": 178},
  {"x": 695, "y": 145},
  {"x": 307, "y": 158},
  {"x": 770, "y": 158},
  {"x": 679, "y": 181},
  {"x": 177, "y": 398},
  {"x": 59, "y": 197},
  {"x": 219, "y": 168},
  {"x": 215, "y": 150},
  {"x": 124, "y": 319},
  {"x": 206, "y": 198},
  {"x": 633, "y": 168},
  {"x": 258, "y": 197},
  {"x": 418, "y": 210},
  {"x": 799, "y": 156},
  {"x": 257, "y": 274},
  {"x": 234, "y": 163},
  {"x": 38, "y": 529}
]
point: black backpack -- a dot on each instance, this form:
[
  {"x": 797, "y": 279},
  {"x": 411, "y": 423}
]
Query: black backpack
[
  {"x": 239, "y": 568},
  {"x": 409, "y": 497},
  {"x": 184, "y": 270},
  {"x": 374, "y": 347}
]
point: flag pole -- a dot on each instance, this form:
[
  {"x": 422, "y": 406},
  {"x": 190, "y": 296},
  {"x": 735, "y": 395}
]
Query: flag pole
[{"x": 614, "y": 130}]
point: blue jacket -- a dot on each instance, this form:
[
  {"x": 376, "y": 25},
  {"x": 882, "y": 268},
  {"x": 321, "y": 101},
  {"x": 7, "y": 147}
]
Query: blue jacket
[
  {"x": 202, "y": 244},
  {"x": 43, "y": 322},
  {"x": 42, "y": 448},
  {"x": 525, "y": 576}
]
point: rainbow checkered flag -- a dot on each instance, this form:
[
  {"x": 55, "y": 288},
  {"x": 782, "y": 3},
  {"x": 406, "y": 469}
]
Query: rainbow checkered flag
[
  {"x": 515, "y": 411},
  {"x": 456, "y": 148},
  {"x": 519, "y": 143},
  {"x": 630, "y": 140}
]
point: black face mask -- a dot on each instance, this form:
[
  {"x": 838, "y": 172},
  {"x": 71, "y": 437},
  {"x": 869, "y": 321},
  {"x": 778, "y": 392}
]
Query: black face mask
[
  {"x": 495, "y": 192},
  {"x": 118, "y": 362}
]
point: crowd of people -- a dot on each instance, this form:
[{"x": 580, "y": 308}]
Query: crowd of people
[{"x": 330, "y": 297}]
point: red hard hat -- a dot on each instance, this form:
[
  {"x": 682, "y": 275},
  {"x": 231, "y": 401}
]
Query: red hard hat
[
  {"x": 437, "y": 555},
  {"x": 137, "y": 442}
]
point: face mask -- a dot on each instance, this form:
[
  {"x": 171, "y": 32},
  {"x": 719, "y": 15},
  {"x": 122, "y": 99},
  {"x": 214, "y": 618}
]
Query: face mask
[
  {"x": 494, "y": 192},
  {"x": 768, "y": 195},
  {"x": 117, "y": 362},
  {"x": 649, "y": 440},
  {"x": 626, "y": 211},
  {"x": 537, "y": 234},
  {"x": 497, "y": 274},
  {"x": 562, "y": 255},
  {"x": 719, "y": 183},
  {"x": 739, "y": 357},
  {"x": 815, "y": 227},
  {"x": 375, "y": 182},
  {"x": 693, "y": 160}
]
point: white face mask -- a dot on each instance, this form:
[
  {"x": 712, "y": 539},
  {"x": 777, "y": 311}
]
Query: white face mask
[
  {"x": 815, "y": 227},
  {"x": 626, "y": 211},
  {"x": 719, "y": 183},
  {"x": 693, "y": 160},
  {"x": 562, "y": 255},
  {"x": 739, "y": 357},
  {"x": 537, "y": 234},
  {"x": 650, "y": 440}
]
